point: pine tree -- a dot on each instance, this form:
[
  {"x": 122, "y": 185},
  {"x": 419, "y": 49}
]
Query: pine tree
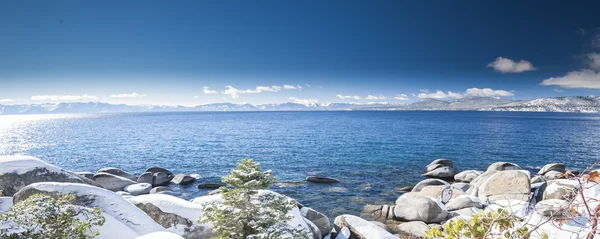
[{"x": 247, "y": 212}]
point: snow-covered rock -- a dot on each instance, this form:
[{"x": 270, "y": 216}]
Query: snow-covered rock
[
  {"x": 91, "y": 197},
  {"x": 5, "y": 204},
  {"x": 19, "y": 171},
  {"x": 160, "y": 235},
  {"x": 139, "y": 188},
  {"x": 113, "y": 228},
  {"x": 176, "y": 215},
  {"x": 428, "y": 182},
  {"x": 118, "y": 172},
  {"x": 413, "y": 229},
  {"x": 467, "y": 175},
  {"x": 414, "y": 207},
  {"x": 360, "y": 228},
  {"x": 317, "y": 218},
  {"x": 464, "y": 201}
]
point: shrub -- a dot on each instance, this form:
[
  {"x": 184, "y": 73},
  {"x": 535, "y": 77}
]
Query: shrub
[
  {"x": 41, "y": 216},
  {"x": 246, "y": 213},
  {"x": 483, "y": 225}
]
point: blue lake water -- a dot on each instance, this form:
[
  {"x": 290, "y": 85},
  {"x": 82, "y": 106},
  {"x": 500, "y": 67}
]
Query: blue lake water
[{"x": 372, "y": 153}]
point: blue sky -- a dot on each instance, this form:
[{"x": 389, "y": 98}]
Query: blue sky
[{"x": 198, "y": 52}]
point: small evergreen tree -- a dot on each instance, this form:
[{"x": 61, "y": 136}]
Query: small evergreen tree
[
  {"x": 41, "y": 217},
  {"x": 248, "y": 213}
]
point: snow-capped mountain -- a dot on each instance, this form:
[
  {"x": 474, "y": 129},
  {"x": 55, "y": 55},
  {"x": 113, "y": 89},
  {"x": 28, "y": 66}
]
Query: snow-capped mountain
[{"x": 588, "y": 104}]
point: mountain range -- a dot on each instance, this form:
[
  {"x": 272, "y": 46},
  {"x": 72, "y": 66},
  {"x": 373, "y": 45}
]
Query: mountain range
[{"x": 584, "y": 104}]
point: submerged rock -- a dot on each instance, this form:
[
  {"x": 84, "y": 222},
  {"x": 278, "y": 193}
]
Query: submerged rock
[
  {"x": 112, "y": 182},
  {"x": 17, "y": 172},
  {"x": 315, "y": 179},
  {"x": 414, "y": 207},
  {"x": 118, "y": 172}
]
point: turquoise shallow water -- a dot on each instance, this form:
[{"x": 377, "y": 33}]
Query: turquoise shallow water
[{"x": 372, "y": 153}]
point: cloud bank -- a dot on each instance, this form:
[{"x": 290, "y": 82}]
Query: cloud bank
[
  {"x": 306, "y": 102},
  {"x": 401, "y": 97},
  {"x": 208, "y": 91},
  {"x": 506, "y": 65},
  {"x": 485, "y": 92},
  {"x": 235, "y": 93},
  {"x": 586, "y": 78},
  {"x": 126, "y": 96}
]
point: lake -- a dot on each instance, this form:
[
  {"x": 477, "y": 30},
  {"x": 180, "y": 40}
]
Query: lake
[{"x": 371, "y": 153}]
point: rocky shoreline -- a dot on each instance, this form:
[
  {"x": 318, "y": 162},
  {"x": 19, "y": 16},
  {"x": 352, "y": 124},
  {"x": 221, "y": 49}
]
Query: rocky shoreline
[{"x": 143, "y": 206}]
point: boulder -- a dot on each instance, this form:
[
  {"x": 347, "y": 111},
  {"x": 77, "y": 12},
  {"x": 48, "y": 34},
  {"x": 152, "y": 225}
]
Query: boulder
[
  {"x": 406, "y": 189},
  {"x": 414, "y": 229},
  {"x": 428, "y": 182},
  {"x": 442, "y": 161},
  {"x": 559, "y": 167},
  {"x": 461, "y": 186},
  {"x": 464, "y": 201},
  {"x": 467, "y": 176},
  {"x": 123, "y": 193},
  {"x": 146, "y": 177},
  {"x": 183, "y": 179},
  {"x": 318, "y": 219},
  {"x": 315, "y": 179},
  {"x": 139, "y": 188},
  {"x": 382, "y": 226},
  {"x": 414, "y": 207},
  {"x": 88, "y": 175},
  {"x": 510, "y": 184},
  {"x": 557, "y": 208},
  {"x": 161, "y": 179},
  {"x": 517, "y": 208},
  {"x": 502, "y": 166},
  {"x": 160, "y": 235},
  {"x": 112, "y": 182},
  {"x": 195, "y": 175},
  {"x": 159, "y": 189},
  {"x": 159, "y": 170},
  {"x": 443, "y": 172},
  {"x": 313, "y": 229},
  {"x": 113, "y": 228},
  {"x": 437, "y": 190},
  {"x": 17, "y": 172},
  {"x": 118, "y": 172},
  {"x": 431, "y": 167},
  {"x": 176, "y": 215},
  {"x": 464, "y": 212},
  {"x": 91, "y": 197},
  {"x": 563, "y": 189},
  {"x": 5, "y": 204},
  {"x": 538, "y": 179},
  {"x": 550, "y": 175},
  {"x": 210, "y": 185},
  {"x": 360, "y": 228},
  {"x": 379, "y": 213}
]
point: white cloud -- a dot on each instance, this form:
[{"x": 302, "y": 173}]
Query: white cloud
[
  {"x": 401, "y": 97},
  {"x": 439, "y": 95},
  {"x": 5, "y": 100},
  {"x": 132, "y": 95},
  {"x": 506, "y": 65},
  {"x": 585, "y": 78},
  {"x": 63, "y": 97},
  {"x": 375, "y": 97},
  {"x": 347, "y": 97},
  {"x": 235, "y": 93},
  {"x": 487, "y": 92},
  {"x": 207, "y": 91},
  {"x": 306, "y": 102},
  {"x": 559, "y": 90},
  {"x": 594, "y": 60}
]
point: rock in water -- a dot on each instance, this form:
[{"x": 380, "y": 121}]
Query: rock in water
[
  {"x": 159, "y": 170},
  {"x": 442, "y": 161},
  {"x": 88, "y": 175},
  {"x": 183, "y": 179},
  {"x": 90, "y": 197},
  {"x": 146, "y": 177},
  {"x": 414, "y": 207},
  {"x": 360, "y": 228},
  {"x": 210, "y": 185},
  {"x": 160, "y": 189},
  {"x": 428, "y": 182},
  {"x": 161, "y": 179},
  {"x": 118, "y": 172},
  {"x": 315, "y": 179},
  {"x": 501, "y": 166},
  {"x": 17, "y": 172},
  {"x": 559, "y": 167},
  {"x": 175, "y": 214},
  {"x": 317, "y": 218},
  {"x": 443, "y": 172},
  {"x": 139, "y": 188},
  {"x": 112, "y": 182},
  {"x": 413, "y": 229}
]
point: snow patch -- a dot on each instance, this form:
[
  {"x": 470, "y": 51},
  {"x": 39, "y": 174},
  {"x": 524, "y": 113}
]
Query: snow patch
[{"x": 21, "y": 164}]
